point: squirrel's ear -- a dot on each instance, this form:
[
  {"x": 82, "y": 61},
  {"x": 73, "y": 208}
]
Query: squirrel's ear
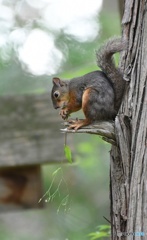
[{"x": 58, "y": 82}]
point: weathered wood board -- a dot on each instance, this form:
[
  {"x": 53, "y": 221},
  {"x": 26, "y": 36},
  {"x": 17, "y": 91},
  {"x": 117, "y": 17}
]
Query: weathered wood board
[
  {"x": 29, "y": 137},
  {"x": 29, "y": 131}
]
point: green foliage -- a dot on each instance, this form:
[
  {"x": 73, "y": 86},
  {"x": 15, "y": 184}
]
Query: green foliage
[
  {"x": 81, "y": 199},
  {"x": 103, "y": 231},
  {"x": 67, "y": 152},
  {"x": 51, "y": 194}
]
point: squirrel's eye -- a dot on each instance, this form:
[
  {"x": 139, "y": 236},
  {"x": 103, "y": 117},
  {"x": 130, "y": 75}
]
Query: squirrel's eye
[{"x": 56, "y": 94}]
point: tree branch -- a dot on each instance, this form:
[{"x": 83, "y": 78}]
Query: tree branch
[{"x": 103, "y": 129}]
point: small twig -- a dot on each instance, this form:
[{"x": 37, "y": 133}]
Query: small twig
[
  {"x": 107, "y": 220},
  {"x": 103, "y": 129},
  {"x": 65, "y": 138}
]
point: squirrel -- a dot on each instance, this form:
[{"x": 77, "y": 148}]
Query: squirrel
[{"x": 98, "y": 93}]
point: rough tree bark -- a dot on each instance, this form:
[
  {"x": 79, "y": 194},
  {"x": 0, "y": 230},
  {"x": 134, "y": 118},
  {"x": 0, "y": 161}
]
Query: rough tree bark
[{"x": 128, "y": 173}]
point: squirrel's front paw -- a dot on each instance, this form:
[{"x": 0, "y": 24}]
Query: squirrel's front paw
[{"x": 64, "y": 113}]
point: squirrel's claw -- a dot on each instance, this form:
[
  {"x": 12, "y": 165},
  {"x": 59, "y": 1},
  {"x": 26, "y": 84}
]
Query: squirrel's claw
[
  {"x": 76, "y": 124},
  {"x": 64, "y": 113}
]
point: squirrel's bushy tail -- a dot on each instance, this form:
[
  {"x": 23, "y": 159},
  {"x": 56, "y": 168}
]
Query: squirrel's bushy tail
[{"x": 106, "y": 62}]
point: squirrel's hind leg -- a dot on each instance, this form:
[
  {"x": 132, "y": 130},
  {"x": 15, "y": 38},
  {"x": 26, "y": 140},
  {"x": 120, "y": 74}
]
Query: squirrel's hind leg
[{"x": 86, "y": 108}]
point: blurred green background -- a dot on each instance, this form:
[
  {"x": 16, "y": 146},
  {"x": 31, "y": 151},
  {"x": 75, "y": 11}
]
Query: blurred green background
[{"x": 76, "y": 195}]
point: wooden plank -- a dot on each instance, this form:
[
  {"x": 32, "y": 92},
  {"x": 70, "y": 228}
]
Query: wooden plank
[
  {"x": 20, "y": 187},
  {"x": 30, "y": 131}
]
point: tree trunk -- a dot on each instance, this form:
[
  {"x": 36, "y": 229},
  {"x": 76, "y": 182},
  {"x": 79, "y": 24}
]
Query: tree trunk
[{"x": 128, "y": 173}]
